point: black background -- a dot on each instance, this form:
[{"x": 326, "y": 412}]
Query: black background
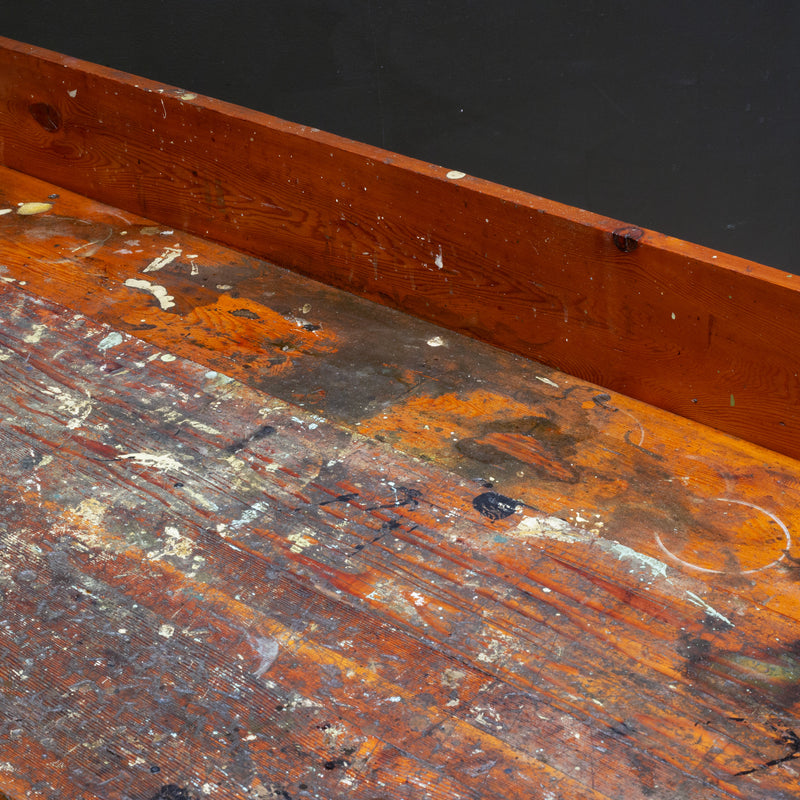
[{"x": 679, "y": 116}]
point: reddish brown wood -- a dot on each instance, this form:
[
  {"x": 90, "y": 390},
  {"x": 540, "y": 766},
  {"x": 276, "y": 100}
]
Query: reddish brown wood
[
  {"x": 603, "y": 462},
  {"x": 709, "y": 336},
  {"x": 281, "y": 615}
]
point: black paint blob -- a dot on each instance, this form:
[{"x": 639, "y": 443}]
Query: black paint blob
[{"x": 495, "y": 506}]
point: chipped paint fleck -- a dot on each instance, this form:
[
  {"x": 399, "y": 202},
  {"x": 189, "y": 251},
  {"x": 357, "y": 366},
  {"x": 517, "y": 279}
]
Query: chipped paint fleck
[
  {"x": 35, "y": 336},
  {"x": 436, "y": 341},
  {"x": 112, "y": 340},
  {"x": 166, "y": 630}
]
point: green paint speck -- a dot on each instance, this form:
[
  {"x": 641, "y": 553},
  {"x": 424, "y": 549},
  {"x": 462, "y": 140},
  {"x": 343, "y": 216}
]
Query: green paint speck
[
  {"x": 500, "y": 539},
  {"x": 733, "y": 402}
]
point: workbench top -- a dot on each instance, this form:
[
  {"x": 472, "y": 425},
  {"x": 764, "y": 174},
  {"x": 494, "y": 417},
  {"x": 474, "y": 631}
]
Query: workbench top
[{"x": 264, "y": 539}]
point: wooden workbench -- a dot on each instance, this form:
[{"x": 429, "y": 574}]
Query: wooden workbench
[{"x": 263, "y": 538}]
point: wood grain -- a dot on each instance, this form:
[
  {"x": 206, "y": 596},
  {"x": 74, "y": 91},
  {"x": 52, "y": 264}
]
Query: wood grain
[
  {"x": 191, "y": 601},
  {"x": 706, "y": 335},
  {"x": 700, "y": 501},
  {"x": 556, "y": 645}
]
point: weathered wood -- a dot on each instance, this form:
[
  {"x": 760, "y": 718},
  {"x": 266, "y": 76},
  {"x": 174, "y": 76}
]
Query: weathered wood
[
  {"x": 307, "y": 613},
  {"x": 555, "y": 592},
  {"x": 703, "y": 334},
  {"x": 546, "y": 439}
]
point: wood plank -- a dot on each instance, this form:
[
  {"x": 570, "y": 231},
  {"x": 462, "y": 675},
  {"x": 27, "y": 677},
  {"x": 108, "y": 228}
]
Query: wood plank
[
  {"x": 724, "y": 509},
  {"x": 189, "y": 603},
  {"x": 185, "y": 550},
  {"x": 706, "y": 335}
]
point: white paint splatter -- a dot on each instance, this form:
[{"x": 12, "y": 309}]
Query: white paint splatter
[
  {"x": 712, "y": 612},
  {"x": 455, "y": 175},
  {"x": 5, "y": 211},
  {"x": 439, "y": 260},
  {"x": 418, "y": 599},
  {"x": 165, "y": 300},
  {"x": 167, "y": 257},
  {"x": 549, "y": 527},
  {"x": 560, "y": 530},
  {"x": 29, "y": 209},
  {"x": 112, "y": 340},
  {"x": 436, "y": 341},
  {"x": 625, "y": 553},
  {"x": 267, "y": 649},
  {"x": 175, "y": 544},
  {"x": 163, "y": 462},
  {"x": 78, "y": 408},
  {"x": 166, "y": 630},
  {"x": 547, "y": 381},
  {"x": 299, "y": 542},
  {"x": 35, "y": 336},
  {"x": 250, "y": 515},
  {"x": 73, "y": 93}
]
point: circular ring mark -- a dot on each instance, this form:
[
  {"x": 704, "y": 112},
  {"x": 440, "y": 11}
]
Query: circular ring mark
[{"x": 708, "y": 570}]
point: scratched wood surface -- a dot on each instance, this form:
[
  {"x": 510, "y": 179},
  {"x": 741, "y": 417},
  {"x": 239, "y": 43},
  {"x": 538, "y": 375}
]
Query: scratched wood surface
[
  {"x": 264, "y": 539},
  {"x": 704, "y": 334}
]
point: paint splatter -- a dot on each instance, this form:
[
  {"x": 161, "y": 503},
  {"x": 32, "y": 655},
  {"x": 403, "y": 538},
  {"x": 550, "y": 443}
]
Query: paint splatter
[
  {"x": 28, "y": 209},
  {"x": 112, "y": 340},
  {"x": 167, "y": 257},
  {"x": 165, "y": 300},
  {"x": 267, "y": 649},
  {"x": 495, "y": 506},
  {"x": 166, "y": 630},
  {"x": 163, "y": 462}
]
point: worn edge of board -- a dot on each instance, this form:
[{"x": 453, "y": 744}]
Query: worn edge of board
[{"x": 702, "y": 334}]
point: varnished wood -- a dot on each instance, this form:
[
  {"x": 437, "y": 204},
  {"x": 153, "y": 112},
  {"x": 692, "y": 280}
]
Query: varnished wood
[
  {"x": 700, "y": 333},
  {"x": 340, "y": 552},
  {"x": 314, "y": 614}
]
